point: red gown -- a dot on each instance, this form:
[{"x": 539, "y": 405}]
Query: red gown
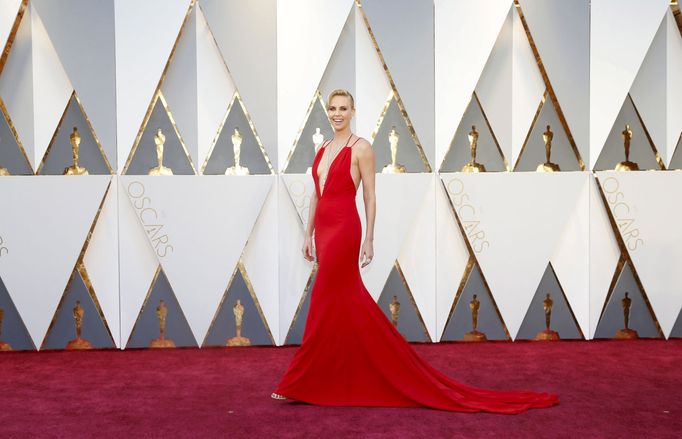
[{"x": 351, "y": 354}]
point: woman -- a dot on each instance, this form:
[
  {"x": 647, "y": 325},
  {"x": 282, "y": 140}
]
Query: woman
[{"x": 351, "y": 354}]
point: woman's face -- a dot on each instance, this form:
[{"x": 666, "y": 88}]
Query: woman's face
[{"x": 340, "y": 112}]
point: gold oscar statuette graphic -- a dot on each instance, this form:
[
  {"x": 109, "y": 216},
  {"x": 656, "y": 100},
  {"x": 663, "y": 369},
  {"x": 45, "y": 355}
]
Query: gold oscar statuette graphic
[
  {"x": 159, "y": 169},
  {"x": 393, "y": 168},
  {"x": 75, "y": 168},
  {"x": 472, "y": 166},
  {"x": 318, "y": 139},
  {"x": 78, "y": 342},
  {"x": 238, "y": 340},
  {"x": 394, "y": 307},
  {"x": 162, "y": 341},
  {"x": 548, "y": 166},
  {"x": 475, "y": 334},
  {"x": 627, "y": 165},
  {"x": 547, "y": 334},
  {"x": 626, "y": 333},
  {"x": 237, "y": 169},
  {"x": 3, "y": 346}
]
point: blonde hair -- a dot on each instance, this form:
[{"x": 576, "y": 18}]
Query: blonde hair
[{"x": 341, "y": 92}]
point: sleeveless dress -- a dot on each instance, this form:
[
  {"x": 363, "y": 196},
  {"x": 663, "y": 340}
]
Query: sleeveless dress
[{"x": 351, "y": 354}]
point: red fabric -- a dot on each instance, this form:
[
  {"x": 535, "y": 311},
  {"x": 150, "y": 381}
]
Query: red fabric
[{"x": 351, "y": 354}]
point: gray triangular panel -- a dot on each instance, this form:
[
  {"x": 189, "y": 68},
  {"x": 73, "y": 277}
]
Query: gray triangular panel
[
  {"x": 460, "y": 321},
  {"x": 174, "y": 155},
  {"x": 224, "y": 325},
  {"x": 11, "y": 156},
  {"x": 222, "y": 155},
  {"x": 562, "y": 320},
  {"x": 613, "y": 318},
  {"x": 297, "y": 328},
  {"x": 13, "y": 331},
  {"x": 59, "y": 154},
  {"x": 677, "y": 327},
  {"x": 534, "y": 152},
  {"x": 676, "y": 161},
  {"x": 63, "y": 328},
  {"x": 147, "y": 326},
  {"x": 304, "y": 151},
  {"x": 408, "y": 153},
  {"x": 410, "y": 323},
  {"x": 487, "y": 151},
  {"x": 640, "y": 147}
]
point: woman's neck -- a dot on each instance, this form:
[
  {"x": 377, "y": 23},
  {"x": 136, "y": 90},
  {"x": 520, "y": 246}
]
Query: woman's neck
[{"x": 342, "y": 135}]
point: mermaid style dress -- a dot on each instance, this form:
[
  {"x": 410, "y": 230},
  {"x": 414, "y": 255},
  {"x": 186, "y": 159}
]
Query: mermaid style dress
[{"x": 351, "y": 354}]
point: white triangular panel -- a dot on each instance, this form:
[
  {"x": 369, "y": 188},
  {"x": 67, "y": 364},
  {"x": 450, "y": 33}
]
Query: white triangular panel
[
  {"x": 570, "y": 259},
  {"x": 465, "y": 34},
  {"x": 604, "y": 254},
  {"x": 51, "y": 87},
  {"x": 398, "y": 198},
  {"x": 8, "y": 13},
  {"x": 566, "y": 59},
  {"x": 16, "y": 85},
  {"x": 145, "y": 34},
  {"x": 650, "y": 227},
  {"x": 535, "y": 208},
  {"x": 207, "y": 237},
  {"x": 86, "y": 51},
  {"x": 408, "y": 55},
  {"x": 294, "y": 270},
  {"x": 674, "y": 85},
  {"x": 101, "y": 261},
  {"x": 372, "y": 88},
  {"x": 340, "y": 71},
  {"x": 215, "y": 87},
  {"x": 48, "y": 221},
  {"x": 307, "y": 31},
  {"x": 649, "y": 91},
  {"x": 261, "y": 259},
  {"x": 138, "y": 262},
  {"x": 246, "y": 34},
  {"x": 527, "y": 87},
  {"x": 494, "y": 88},
  {"x": 621, "y": 32},
  {"x": 301, "y": 188},
  {"x": 452, "y": 256},
  {"x": 417, "y": 257},
  {"x": 180, "y": 86}
]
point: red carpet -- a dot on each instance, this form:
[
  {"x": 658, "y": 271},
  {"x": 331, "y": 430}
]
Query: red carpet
[{"x": 606, "y": 389}]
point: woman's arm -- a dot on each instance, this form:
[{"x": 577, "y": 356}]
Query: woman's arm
[
  {"x": 308, "y": 240},
  {"x": 367, "y": 166}
]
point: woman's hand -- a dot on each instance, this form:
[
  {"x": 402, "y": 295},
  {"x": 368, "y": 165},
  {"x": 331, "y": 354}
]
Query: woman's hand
[
  {"x": 308, "y": 248},
  {"x": 367, "y": 253}
]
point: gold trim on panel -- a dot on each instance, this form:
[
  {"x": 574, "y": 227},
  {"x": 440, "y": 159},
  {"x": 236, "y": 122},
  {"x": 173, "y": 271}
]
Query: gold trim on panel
[
  {"x": 625, "y": 256},
  {"x": 157, "y": 92},
  {"x": 462, "y": 283},
  {"x": 549, "y": 88},
  {"x": 532, "y": 125},
  {"x": 306, "y": 291},
  {"x": 13, "y": 130},
  {"x": 473, "y": 255},
  {"x": 74, "y": 96},
  {"x": 12, "y": 36},
  {"x": 675, "y": 7},
  {"x": 411, "y": 297},
  {"x": 398, "y": 100},
  {"x": 79, "y": 263},
  {"x": 91, "y": 290}
]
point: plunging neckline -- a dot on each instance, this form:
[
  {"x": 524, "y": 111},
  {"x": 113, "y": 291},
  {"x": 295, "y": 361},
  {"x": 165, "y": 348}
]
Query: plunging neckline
[{"x": 329, "y": 171}]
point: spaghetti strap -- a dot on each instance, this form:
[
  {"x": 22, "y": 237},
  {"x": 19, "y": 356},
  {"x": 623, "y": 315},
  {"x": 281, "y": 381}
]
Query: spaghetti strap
[{"x": 356, "y": 141}]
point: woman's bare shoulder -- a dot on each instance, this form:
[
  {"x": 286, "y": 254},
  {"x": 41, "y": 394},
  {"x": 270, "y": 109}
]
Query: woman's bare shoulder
[{"x": 362, "y": 146}]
